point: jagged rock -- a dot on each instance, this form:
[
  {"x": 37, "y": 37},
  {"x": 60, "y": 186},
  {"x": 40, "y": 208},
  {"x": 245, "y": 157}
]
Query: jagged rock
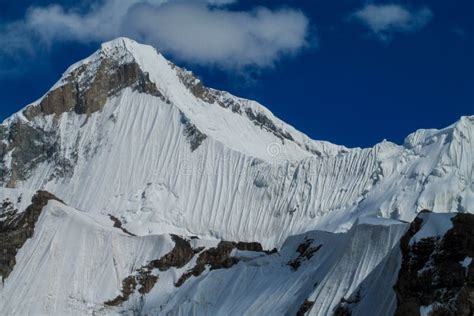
[
  {"x": 86, "y": 95},
  {"x": 181, "y": 254},
  {"x": 304, "y": 308},
  {"x": 129, "y": 285},
  {"x": 219, "y": 258},
  {"x": 118, "y": 224},
  {"x": 147, "y": 281},
  {"x": 344, "y": 307},
  {"x": 431, "y": 272},
  {"x": 306, "y": 252},
  {"x": 192, "y": 133},
  {"x": 264, "y": 122},
  {"x": 30, "y": 146},
  {"x": 249, "y": 246}
]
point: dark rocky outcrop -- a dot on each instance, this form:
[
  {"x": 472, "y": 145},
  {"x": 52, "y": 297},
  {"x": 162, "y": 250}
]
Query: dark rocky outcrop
[
  {"x": 249, "y": 246},
  {"x": 16, "y": 228},
  {"x": 264, "y": 122},
  {"x": 306, "y": 251},
  {"x": 143, "y": 277},
  {"x": 219, "y": 258},
  {"x": 431, "y": 272},
  {"x": 86, "y": 90},
  {"x": 29, "y": 146},
  {"x": 118, "y": 224},
  {"x": 216, "y": 258},
  {"x": 208, "y": 95},
  {"x": 194, "y": 136},
  {"x": 304, "y": 308},
  {"x": 181, "y": 254},
  {"x": 344, "y": 308},
  {"x": 194, "y": 85},
  {"x": 129, "y": 284}
]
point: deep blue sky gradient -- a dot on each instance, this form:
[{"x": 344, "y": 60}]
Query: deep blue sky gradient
[{"x": 352, "y": 89}]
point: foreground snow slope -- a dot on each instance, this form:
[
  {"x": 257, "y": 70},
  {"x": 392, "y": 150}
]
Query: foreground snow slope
[
  {"x": 268, "y": 286},
  {"x": 75, "y": 262},
  {"x": 169, "y": 155},
  {"x": 78, "y": 263}
]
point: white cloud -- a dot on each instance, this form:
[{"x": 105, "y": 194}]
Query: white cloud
[
  {"x": 197, "y": 33},
  {"x": 204, "y": 31},
  {"x": 384, "y": 20}
]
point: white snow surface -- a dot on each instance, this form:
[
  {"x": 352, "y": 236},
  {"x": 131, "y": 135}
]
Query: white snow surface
[
  {"x": 76, "y": 261},
  {"x": 434, "y": 225},
  {"x": 243, "y": 182},
  {"x": 375, "y": 295}
]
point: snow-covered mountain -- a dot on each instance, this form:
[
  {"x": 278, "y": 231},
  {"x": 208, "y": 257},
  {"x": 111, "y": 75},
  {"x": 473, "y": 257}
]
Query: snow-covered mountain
[{"x": 167, "y": 197}]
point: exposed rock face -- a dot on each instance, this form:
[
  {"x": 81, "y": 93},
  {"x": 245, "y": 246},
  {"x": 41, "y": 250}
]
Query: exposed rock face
[
  {"x": 345, "y": 306},
  {"x": 118, "y": 224},
  {"x": 129, "y": 285},
  {"x": 29, "y": 146},
  {"x": 86, "y": 94},
  {"x": 432, "y": 272},
  {"x": 208, "y": 95},
  {"x": 304, "y": 308},
  {"x": 306, "y": 251},
  {"x": 194, "y": 85},
  {"x": 16, "y": 228},
  {"x": 194, "y": 136},
  {"x": 264, "y": 122},
  {"x": 218, "y": 258},
  {"x": 181, "y": 254}
]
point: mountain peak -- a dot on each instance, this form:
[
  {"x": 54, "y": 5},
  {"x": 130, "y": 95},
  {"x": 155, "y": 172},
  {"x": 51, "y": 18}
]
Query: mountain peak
[
  {"x": 120, "y": 42},
  {"x": 121, "y": 49},
  {"x": 122, "y": 64},
  {"x": 86, "y": 86}
]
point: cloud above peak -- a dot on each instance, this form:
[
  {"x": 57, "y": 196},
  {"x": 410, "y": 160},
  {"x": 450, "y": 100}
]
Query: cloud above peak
[
  {"x": 206, "y": 32},
  {"x": 205, "y": 35},
  {"x": 386, "y": 19}
]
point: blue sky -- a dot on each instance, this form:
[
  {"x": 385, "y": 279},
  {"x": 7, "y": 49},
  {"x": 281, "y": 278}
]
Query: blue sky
[{"x": 351, "y": 72}]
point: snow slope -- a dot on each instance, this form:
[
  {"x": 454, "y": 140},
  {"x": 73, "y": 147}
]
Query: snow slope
[
  {"x": 76, "y": 261},
  {"x": 267, "y": 286}
]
